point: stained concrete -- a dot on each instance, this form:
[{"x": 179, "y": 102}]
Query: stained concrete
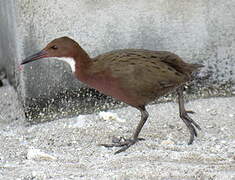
[{"x": 198, "y": 31}]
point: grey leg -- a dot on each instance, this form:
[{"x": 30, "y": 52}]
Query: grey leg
[
  {"x": 190, "y": 123},
  {"x": 129, "y": 142}
]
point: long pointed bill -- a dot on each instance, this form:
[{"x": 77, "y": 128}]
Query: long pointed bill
[{"x": 39, "y": 55}]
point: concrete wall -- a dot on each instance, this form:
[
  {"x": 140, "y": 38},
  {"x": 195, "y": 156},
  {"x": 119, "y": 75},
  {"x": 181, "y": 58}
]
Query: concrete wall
[
  {"x": 8, "y": 45},
  {"x": 200, "y": 31}
]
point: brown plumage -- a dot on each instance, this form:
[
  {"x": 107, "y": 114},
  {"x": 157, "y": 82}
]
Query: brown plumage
[
  {"x": 134, "y": 76},
  {"x": 143, "y": 75}
]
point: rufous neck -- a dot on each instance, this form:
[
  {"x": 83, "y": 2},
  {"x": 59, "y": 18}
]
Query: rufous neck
[
  {"x": 82, "y": 65},
  {"x": 82, "y": 59}
]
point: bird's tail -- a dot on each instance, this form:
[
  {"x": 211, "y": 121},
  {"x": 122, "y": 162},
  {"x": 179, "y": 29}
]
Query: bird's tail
[{"x": 194, "y": 67}]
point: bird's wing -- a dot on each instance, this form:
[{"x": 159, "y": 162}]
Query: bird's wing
[
  {"x": 143, "y": 72},
  {"x": 148, "y": 79}
]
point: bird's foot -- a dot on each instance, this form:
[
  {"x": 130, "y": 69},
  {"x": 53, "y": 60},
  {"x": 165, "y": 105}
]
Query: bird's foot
[
  {"x": 191, "y": 124},
  {"x": 122, "y": 142}
]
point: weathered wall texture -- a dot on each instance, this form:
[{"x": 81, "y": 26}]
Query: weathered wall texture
[
  {"x": 8, "y": 45},
  {"x": 200, "y": 31}
]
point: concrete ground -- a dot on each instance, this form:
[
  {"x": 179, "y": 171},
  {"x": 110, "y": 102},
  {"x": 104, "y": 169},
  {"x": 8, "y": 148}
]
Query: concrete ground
[{"x": 67, "y": 148}]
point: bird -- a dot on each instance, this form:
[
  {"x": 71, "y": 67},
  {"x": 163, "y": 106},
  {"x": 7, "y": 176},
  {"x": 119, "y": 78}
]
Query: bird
[{"x": 133, "y": 76}]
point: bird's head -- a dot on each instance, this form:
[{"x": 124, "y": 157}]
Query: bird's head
[{"x": 62, "y": 48}]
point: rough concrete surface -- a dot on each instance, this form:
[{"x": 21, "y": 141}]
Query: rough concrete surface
[
  {"x": 199, "y": 31},
  {"x": 67, "y": 148}
]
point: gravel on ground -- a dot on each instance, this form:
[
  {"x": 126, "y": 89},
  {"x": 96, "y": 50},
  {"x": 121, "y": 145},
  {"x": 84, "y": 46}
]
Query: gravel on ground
[{"x": 68, "y": 148}]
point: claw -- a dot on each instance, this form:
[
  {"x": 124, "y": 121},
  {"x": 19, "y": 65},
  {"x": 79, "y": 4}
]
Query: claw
[
  {"x": 190, "y": 123},
  {"x": 123, "y": 148},
  {"x": 186, "y": 116},
  {"x": 121, "y": 142}
]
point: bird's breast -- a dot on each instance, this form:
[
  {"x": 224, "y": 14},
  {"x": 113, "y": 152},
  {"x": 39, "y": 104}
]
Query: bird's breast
[{"x": 105, "y": 83}]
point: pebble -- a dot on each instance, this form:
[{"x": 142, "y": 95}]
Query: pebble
[
  {"x": 37, "y": 154},
  {"x": 224, "y": 142},
  {"x": 167, "y": 142},
  {"x": 38, "y": 175},
  {"x": 10, "y": 165},
  {"x": 110, "y": 116},
  {"x": 212, "y": 125},
  {"x": 212, "y": 112}
]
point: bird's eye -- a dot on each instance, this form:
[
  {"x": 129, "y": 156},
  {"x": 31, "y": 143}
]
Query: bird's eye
[{"x": 54, "y": 47}]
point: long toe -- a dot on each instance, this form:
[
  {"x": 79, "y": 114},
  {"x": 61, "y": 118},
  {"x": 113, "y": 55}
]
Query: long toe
[
  {"x": 121, "y": 142},
  {"x": 191, "y": 139},
  {"x": 124, "y": 148},
  {"x": 191, "y": 128},
  {"x": 188, "y": 118},
  {"x": 193, "y": 133},
  {"x": 128, "y": 143}
]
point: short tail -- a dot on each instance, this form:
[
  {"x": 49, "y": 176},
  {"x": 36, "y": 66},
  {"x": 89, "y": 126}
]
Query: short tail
[
  {"x": 179, "y": 65},
  {"x": 195, "y": 67}
]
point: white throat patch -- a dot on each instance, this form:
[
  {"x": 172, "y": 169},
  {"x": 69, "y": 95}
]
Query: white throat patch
[{"x": 70, "y": 61}]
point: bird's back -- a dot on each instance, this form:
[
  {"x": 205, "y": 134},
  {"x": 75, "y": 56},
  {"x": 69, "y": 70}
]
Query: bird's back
[
  {"x": 138, "y": 57},
  {"x": 145, "y": 74}
]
